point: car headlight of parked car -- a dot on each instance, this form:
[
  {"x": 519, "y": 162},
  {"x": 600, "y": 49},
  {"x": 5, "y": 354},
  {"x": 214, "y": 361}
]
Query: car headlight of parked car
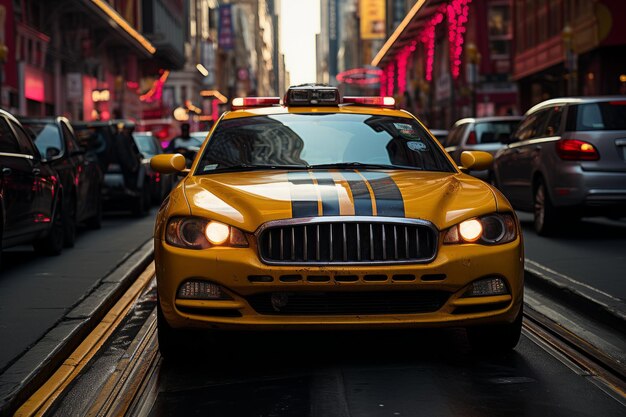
[
  {"x": 492, "y": 229},
  {"x": 199, "y": 233}
]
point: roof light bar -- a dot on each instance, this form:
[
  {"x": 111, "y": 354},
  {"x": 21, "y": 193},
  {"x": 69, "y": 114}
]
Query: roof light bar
[
  {"x": 247, "y": 102},
  {"x": 312, "y": 95},
  {"x": 388, "y": 102}
]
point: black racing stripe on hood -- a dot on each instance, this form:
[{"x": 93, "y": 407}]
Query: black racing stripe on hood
[
  {"x": 389, "y": 201},
  {"x": 360, "y": 193},
  {"x": 328, "y": 192},
  {"x": 303, "y": 199}
]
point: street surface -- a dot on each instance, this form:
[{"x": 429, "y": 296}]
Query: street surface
[
  {"x": 321, "y": 374},
  {"x": 36, "y": 292}
]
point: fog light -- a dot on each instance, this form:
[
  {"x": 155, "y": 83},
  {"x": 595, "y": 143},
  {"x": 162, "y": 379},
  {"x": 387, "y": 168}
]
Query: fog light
[
  {"x": 486, "y": 287},
  {"x": 201, "y": 290}
]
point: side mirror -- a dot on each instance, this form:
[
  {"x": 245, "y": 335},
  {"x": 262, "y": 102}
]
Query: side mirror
[
  {"x": 475, "y": 160},
  {"x": 168, "y": 163},
  {"x": 52, "y": 152}
]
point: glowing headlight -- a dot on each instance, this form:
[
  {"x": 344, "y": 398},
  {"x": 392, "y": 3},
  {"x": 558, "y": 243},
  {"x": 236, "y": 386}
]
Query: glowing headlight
[
  {"x": 471, "y": 230},
  {"x": 217, "y": 233},
  {"x": 198, "y": 233},
  {"x": 492, "y": 229}
]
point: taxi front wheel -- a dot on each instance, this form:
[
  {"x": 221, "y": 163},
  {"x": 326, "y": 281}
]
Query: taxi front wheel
[{"x": 495, "y": 338}]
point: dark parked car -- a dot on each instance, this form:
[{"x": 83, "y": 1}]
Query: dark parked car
[
  {"x": 150, "y": 146},
  {"x": 567, "y": 159},
  {"x": 30, "y": 192},
  {"x": 78, "y": 169},
  {"x": 480, "y": 134},
  {"x": 126, "y": 182}
]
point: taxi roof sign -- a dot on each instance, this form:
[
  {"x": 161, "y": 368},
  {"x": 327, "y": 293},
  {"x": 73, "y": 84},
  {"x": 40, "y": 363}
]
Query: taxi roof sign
[{"x": 312, "y": 95}]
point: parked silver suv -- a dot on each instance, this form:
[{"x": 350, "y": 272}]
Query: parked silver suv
[
  {"x": 567, "y": 159},
  {"x": 480, "y": 134}
]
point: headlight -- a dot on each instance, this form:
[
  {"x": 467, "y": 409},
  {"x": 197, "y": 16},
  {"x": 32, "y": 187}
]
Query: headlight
[
  {"x": 493, "y": 229},
  {"x": 198, "y": 233}
]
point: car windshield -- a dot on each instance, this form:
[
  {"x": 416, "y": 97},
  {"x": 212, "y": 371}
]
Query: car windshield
[
  {"x": 47, "y": 137},
  {"x": 146, "y": 144},
  {"x": 610, "y": 115},
  {"x": 316, "y": 140}
]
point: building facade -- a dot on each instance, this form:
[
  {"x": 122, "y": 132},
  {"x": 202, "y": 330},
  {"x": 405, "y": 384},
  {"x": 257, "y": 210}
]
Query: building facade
[{"x": 569, "y": 48}]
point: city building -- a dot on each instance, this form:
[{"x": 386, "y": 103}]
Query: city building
[
  {"x": 569, "y": 48},
  {"x": 88, "y": 59},
  {"x": 441, "y": 63}
]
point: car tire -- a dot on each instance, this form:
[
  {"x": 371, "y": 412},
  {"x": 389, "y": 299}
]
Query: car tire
[
  {"x": 69, "y": 224},
  {"x": 546, "y": 217},
  {"x": 496, "y": 338},
  {"x": 52, "y": 243}
]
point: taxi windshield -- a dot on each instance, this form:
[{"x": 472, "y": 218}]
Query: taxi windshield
[{"x": 321, "y": 140}]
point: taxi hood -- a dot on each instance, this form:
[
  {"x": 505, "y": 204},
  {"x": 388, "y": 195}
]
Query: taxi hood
[{"x": 249, "y": 199}]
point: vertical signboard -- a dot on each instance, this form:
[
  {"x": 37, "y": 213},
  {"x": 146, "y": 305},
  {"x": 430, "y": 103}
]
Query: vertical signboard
[
  {"x": 372, "y": 14},
  {"x": 225, "y": 33}
]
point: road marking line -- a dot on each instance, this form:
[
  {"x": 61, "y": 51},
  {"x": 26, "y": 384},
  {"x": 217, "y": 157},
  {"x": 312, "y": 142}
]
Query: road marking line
[{"x": 44, "y": 397}]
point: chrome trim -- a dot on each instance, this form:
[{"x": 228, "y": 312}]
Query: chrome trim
[
  {"x": 317, "y": 221},
  {"x": 17, "y": 155}
]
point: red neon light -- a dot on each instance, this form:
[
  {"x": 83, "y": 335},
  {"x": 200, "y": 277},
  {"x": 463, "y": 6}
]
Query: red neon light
[
  {"x": 360, "y": 76},
  {"x": 155, "y": 93},
  {"x": 457, "y": 12}
]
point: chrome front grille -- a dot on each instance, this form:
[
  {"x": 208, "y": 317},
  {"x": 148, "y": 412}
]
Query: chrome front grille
[{"x": 347, "y": 240}]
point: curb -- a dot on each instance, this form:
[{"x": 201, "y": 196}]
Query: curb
[
  {"x": 579, "y": 295},
  {"x": 38, "y": 363}
]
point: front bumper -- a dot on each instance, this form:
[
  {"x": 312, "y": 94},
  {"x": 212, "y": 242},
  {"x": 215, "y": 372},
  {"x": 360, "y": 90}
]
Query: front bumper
[{"x": 237, "y": 271}]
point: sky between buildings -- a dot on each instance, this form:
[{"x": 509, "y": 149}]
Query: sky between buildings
[{"x": 300, "y": 21}]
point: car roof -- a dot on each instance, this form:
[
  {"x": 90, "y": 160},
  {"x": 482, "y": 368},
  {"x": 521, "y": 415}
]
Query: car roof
[
  {"x": 342, "y": 109},
  {"x": 574, "y": 100},
  {"x": 9, "y": 115},
  {"x": 488, "y": 119}
]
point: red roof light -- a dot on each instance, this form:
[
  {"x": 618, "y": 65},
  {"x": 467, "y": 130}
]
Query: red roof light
[
  {"x": 388, "y": 102},
  {"x": 246, "y": 102}
]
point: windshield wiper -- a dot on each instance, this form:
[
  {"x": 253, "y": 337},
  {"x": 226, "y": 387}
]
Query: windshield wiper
[
  {"x": 254, "y": 167},
  {"x": 359, "y": 165}
]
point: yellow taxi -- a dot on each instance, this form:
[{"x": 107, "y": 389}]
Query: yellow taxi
[{"x": 326, "y": 212}]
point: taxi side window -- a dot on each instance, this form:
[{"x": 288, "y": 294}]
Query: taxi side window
[{"x": 8, "y": 142}]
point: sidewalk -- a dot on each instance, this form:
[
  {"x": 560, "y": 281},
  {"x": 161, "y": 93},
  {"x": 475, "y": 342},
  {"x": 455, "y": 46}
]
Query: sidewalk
[{"x": 24, "y": 376}]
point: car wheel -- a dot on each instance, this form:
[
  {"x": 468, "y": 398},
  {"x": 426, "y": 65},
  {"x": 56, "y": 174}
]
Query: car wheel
[
  {"x": 546, "y": 217},
  {"x": 52, "y": 244},
  {"x": 69, "y": 224},
  {"x": 496, "y": 338}
]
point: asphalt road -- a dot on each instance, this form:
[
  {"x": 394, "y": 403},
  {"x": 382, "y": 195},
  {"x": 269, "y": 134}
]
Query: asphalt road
[
  {"x": 382, "y": 373},
  {"x": 36, "y": 291},
  {"x": 592, "y": 251}
]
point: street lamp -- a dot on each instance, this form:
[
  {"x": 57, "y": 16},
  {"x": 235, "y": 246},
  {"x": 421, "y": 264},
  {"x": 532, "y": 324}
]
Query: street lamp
[{"x": 473, "y": 60}]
